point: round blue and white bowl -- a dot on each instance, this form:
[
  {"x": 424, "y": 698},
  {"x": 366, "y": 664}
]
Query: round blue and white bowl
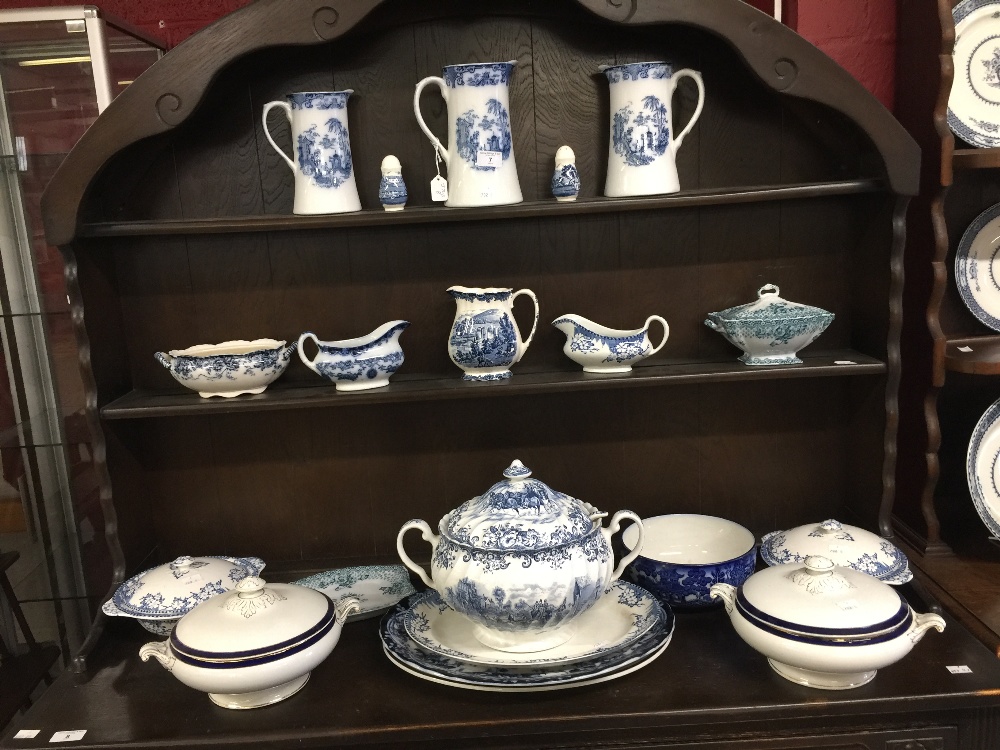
[{"x": 683, "y": 555}]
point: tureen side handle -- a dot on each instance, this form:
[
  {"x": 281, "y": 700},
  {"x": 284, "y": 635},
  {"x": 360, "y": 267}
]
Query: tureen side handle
[
  {"x": 726, "y": 592},
  {"x": 345, "y": 607},
  {"x": 613, "y": 527},
  {"x": 160, "y": 651},
  {"x": 429, "y": 536},
  {"x": 164, "y": 359},
  {"x": 923, "y": 623}
]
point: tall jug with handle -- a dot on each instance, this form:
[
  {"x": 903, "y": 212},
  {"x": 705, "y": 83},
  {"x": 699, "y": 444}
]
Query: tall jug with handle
[
  {"x": 480, "y": 151},
  {"x": 484, "y": 339},
  {"x": 323, "y": 166},
  {"x": 642, "y": 148}
]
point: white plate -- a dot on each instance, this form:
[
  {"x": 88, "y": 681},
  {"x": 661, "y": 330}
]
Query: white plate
[
  {"x": 974, "y": 104},
  {"x": 977, "y": 267},
  {"x": 983, "y": 468},
  {"x": 377, "y": 587},
  {"x": 617, "y": 620}
]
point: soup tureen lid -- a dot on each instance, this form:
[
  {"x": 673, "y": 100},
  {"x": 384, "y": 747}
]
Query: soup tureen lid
[
  {"x": 850, "y": 546},
  {"x": 255, "y": 620},
  {"x": 818, "y": 598},
  {"x": 770, "y": 306},
  {"x": 171, "y": 590},
  {"x": 520, "y": 514}
]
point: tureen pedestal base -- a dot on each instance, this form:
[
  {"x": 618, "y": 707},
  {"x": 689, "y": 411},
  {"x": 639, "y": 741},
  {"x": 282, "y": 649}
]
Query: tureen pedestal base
[
  {"x": 607, "y": 370},
  {"x": 824, "y": 680},
  {"x": 488, "y": 373},
  {"x": 523, "y": 643},
  {"x": 231, "y": 394},
  {"x": 259, "y": 698},
  {"x": 777, "y": 359}
]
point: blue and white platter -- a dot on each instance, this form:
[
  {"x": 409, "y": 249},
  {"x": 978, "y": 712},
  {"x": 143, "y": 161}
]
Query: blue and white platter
[
  {"x": 618, "y": 619},
  {"x": 377, "y": 587},
  {"x": 975, "y": 92},
  {"x": 977, "y": 266},
  {"x": 983, "y": 468},
  {"x": 406, "y": 654}
]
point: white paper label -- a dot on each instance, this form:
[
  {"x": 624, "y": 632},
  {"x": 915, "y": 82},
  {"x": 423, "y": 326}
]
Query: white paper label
[
  {"x": 489, "y": 158},
  {"x": 965, "y": 348},
  {"x": 844, "y": 362},
  {"x": 26, "y": 734},
  {"x": 439, "y": 189},
  {"x": 961, "y": 669},
  {"x": 848, "y": 604},
  {"x": 72, "y": 736}
]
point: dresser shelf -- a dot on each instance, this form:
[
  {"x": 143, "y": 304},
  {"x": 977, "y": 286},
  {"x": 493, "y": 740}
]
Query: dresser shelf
[
  {"x": 975, "y": 158},
  {"x": 983, "y": 359}
]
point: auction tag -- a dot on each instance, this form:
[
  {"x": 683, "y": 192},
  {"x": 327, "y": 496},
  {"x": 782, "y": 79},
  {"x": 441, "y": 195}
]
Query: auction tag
[
  {"x": 73, "y": 736},
  {"x": 962, "y": 669},
  {"x": 489, "y": 158},
  {"x": 439, "y": 189},
  {"x": 844, "y": 362},
  {"x": 26, "y": 734},
  {"x": 965, "y": 349}
]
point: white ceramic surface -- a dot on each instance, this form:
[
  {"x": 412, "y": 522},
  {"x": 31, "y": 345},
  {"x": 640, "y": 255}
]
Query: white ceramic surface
[
  {"x": 642, "y": 147},
  {"x": 846, "y": 545},
  {"x": 480, "y": 152},
  {"x": 770, "y": 330},
  {"x": 600, "y": 349},
  {"x": 376, "y": 587},
  {"x": 484, "y": 340},
  {"x": 619, "y": 618},
  {"x": 977, "y": 267},
  {"x": 824, "y": 626},
  {"x": 521, "y": 561},
  {"x": 255, "y": 646},
  {"x": 357, "y": 364},
  {"x": 229, "y": 369},
  {"x": 323, "y": 166},
  {"x": 690, "y": 539},
  {"x": 982, "y": 468},
  {"x": 975, "y": 90}
]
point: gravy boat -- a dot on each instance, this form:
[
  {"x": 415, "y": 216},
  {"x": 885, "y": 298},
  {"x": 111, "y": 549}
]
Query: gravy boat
[
  {"x": 360, "y": 363},
  {"x": 600, "y": 349}
]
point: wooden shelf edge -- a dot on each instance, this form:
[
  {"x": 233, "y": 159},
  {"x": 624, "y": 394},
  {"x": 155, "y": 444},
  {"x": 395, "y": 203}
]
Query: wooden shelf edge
[
  {"x": 138, "y": 404},
  {"x": 983, "y": 357},
  {"x": 440, "y": 214},
  {"x": 976, "y": 158}
]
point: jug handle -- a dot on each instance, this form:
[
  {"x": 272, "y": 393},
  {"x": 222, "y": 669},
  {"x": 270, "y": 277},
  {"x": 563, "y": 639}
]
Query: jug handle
[
  {"x": 613, "y": 527},
  {"x": 666, "y": 332},
  {"x": 696, "y": 77},
  {"x": 439, "y": 82},
  {"x": 534, "y": 325},
  {"x": 288, "y": 113},
  {"x": 428, "y": 535},
  {"x": 310, "y": 363}
]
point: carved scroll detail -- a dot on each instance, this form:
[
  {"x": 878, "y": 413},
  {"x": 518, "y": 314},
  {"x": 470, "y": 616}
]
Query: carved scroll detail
[
  {"x": 787, "y": 71},
  {"x": 324, "y": 19},
  {"x": 169, "y": 109},
  {"x": 624, "y": 9}
]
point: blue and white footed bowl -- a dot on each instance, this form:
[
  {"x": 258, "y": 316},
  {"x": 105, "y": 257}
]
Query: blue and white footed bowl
[
  {"x": 607, "y": 350},
  {"x": 229, "y": 369},
  {"x": 770, "y": 331},
  {"x": 358, "y": 364},
  {"x": 521, "y": 561},
  {"x": 684, "y": 555}
]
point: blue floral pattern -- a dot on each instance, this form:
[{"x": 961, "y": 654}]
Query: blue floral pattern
[
  {"x": 478, "y": 74},
  {"x": 888, "y": 564},
  {"x": 356, "y": 369},
  {"x": 498, "y": 609},
  {"x": 642, "y": 71},
  {"x": 688, "y": 585},
  {"x": 227, "y": 366},
  {"x": 319, "y": 100}
]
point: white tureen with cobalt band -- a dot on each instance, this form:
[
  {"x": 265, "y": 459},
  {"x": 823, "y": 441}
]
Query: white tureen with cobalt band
[
  {"x": 255, "y": 646},
  {"x": 849, "y": 546},
  {"x": 521, "y": 561},
  {"x": 160, "y": 596},
  {"x": 822, "y": 625}
]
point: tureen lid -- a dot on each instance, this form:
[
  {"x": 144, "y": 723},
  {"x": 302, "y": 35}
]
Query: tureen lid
[
  {"x": 171, "y": 590},
  {"x": 819, "y": 598},
  {"x": 769, "y": 305},
  {"x": 256, "y": 619},
  {"x": 846, "y": 545},
  {"x": 520, "y": 514}
]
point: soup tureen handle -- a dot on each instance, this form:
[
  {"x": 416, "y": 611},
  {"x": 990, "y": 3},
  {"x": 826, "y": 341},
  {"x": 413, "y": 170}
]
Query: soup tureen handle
[
  {"x": 616, "y": 524},
  {"x": 923, "y": 623},
  {"x": 428, "y": 535}
]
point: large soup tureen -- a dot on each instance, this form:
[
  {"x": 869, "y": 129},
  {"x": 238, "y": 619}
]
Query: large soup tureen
[{"x": 521, "y": 561}]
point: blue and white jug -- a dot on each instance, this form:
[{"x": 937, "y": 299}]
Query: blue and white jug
[
  {"x": 323, "y": 167},
  {"x": 480, "y": 152},
  {"x": 642, "y": 147},
  {"x": 484, "y": 339}
]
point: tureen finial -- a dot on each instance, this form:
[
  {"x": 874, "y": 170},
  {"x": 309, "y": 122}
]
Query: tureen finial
[
  {"x": 817, "y": 564},
  {"x": 517, "y": 470},
  {"x": 250, "y": 587}
]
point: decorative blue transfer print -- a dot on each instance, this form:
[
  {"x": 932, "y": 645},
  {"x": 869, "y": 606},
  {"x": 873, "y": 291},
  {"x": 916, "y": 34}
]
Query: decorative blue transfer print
[
  {"x": 832, "y": 529},
  {"x": 227, "y": 366},
  {"x": 888, "y": 563},
  {"x": 319, "y": 100},
  {"x": 638, "y": 71},
  {"x": 326, "y": 157},
  {"x": 478, "y": 74},
  {"x": 475, "y": 133},
  {"x": 968, "y": 265},
  {"x": 392, "y": 190},
  {"x": 501, "y": 296},
  {"x": 688, "y": 586},
  {"x": 520, "y": 611},
  {"x": 361, "y": 368},
  {"x": 484, "y": 339},
  {"x": 980, "y": 464},
  {"x": 565, "y": 181},
  {"x": 992, "y": 77},
  {"x": 640, "y": 138}
]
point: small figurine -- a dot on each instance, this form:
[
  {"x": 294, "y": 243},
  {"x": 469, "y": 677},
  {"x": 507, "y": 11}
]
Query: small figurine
[
  {"x": 565, "y": 180},
  {"x": 392, "y": 189}
]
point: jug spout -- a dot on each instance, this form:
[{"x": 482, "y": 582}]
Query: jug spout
[
  {"x": 388, "y": 332},
  {"x": 566, "y": 324}
]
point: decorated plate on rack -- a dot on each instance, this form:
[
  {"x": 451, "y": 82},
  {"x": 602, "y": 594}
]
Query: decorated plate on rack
[
  {"x": 974, "y": 104},
  {"x": 982, "y": 468},
  {"x": 377, "y": 587},
  {"x": 977, "y": 267},
  {"x": 618, "y": 619},
  {"x": 405, "y": 653}
]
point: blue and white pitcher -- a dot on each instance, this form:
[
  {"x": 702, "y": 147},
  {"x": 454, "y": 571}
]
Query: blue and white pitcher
[
  {"x": 642, "y": 147},
  {"x": 480, "y": 152},
  {"x": 484, "y": 339},
  {"x": 323, "y": 166}
]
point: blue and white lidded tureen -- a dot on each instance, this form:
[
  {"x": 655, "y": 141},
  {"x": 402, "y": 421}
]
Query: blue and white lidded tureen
[
  {"x": 521, "y": 561},
  {"x": 771, "y": 330},
  {"x": 849, "y": 546},
  {"x": 160, "y": 596}
]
